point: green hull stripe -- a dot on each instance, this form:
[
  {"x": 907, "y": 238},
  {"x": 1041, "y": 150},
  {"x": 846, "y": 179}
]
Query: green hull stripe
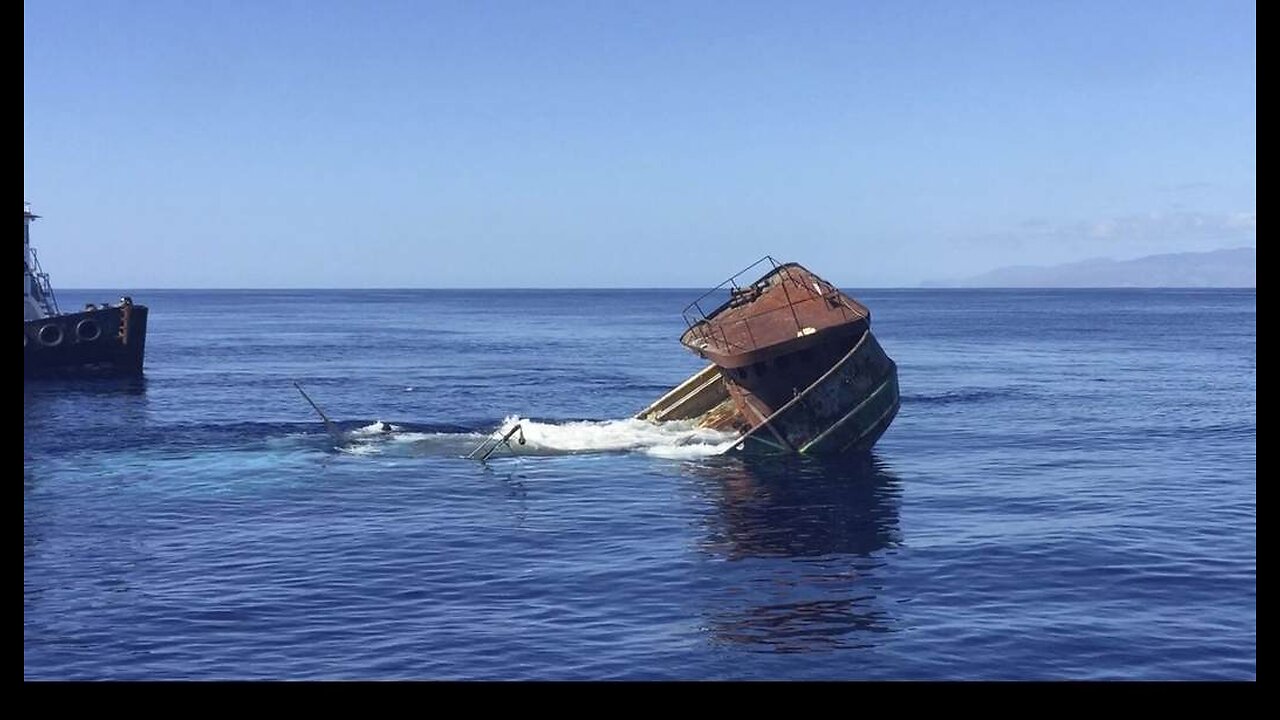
[{"x": 865, "y": 403}]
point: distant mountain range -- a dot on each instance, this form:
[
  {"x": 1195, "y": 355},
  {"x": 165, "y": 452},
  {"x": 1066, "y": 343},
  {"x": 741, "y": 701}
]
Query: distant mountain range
[{"x": 1236, "y": 267}]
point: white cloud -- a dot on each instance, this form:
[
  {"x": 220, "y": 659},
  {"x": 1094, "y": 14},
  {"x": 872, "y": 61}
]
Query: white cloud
[
  {"x": 1123, "y": 237},
  {"x": 1247, "y": 221}
]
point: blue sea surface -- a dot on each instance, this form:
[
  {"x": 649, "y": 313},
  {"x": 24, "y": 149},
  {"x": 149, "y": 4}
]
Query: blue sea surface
[{"x": 1068, "y": 491}]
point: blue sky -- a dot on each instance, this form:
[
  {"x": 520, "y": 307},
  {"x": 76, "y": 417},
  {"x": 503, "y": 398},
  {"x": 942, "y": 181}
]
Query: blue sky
[{"x": 607, "y": 143}]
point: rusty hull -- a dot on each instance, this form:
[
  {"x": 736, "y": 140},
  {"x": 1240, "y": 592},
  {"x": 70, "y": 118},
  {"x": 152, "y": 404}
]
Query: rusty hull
[
  {"x": 795, "y": 368},
  {"x": 847, "y": 409}
]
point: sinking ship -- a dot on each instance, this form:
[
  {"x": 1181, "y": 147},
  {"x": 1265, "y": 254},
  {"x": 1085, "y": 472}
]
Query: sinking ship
[
  {"x": 793, "y": 367},
  {"x": 104, "y": 339}
]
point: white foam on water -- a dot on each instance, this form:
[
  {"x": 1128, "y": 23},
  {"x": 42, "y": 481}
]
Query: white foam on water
[
  {"x": 693, "y": 451},
  {"x": 377, "y": 439},
  {"x": 374, "y": 429},
  {"x": 677, "y": 439},
  {"x": 359, "y": 449}
]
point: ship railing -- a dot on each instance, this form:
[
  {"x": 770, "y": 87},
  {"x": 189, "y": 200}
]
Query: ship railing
[
  {"x": 44, "y": 291},
  {"x": 722, "y": 295},
  {"x": 697, "y": 319}
]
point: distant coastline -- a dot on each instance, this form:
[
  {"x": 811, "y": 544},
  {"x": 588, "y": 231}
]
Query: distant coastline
[{"x": 1229, "y": 268}]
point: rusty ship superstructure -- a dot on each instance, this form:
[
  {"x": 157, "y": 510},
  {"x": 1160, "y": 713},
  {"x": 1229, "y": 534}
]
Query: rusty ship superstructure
[{"x": 794, "y": 366}]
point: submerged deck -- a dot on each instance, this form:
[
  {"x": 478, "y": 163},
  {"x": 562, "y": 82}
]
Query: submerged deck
[{"x": 703, "y": 397}]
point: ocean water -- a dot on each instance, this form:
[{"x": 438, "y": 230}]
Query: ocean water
[{"x": 1069, "y": 491}]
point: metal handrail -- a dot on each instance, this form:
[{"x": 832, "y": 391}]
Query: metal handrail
[
  {"x": 704, "y": 331},
  {"x": 42, "y": 283},
  {"x": 497, "y": 443},
  {"x": 732, "y": 281}
]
